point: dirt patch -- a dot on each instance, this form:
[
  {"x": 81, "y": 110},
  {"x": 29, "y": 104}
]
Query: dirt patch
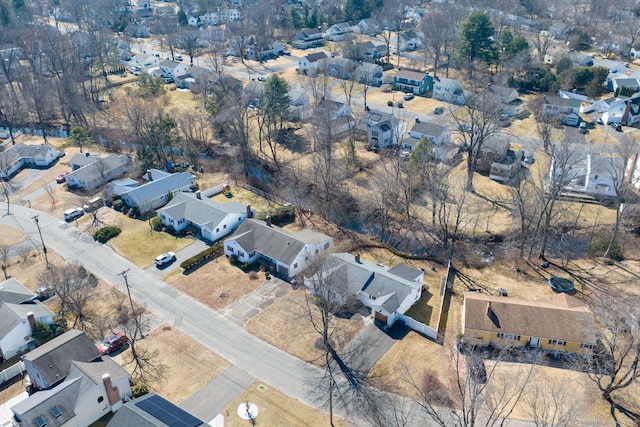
[
  {"x": 188, "y": 365},
  {"x": 246, "y": 197},
  {"x": 285, "y": 326},
  {"x": 217, "y": 284},
  {"x": 275, "y": 409}
]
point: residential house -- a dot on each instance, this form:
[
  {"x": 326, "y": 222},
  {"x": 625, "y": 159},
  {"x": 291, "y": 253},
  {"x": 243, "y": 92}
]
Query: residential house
[
  {"x": 98, "y": 173},
  {"x": 439, "y": 135},
  {"x": 308, "y": 38},
  {"x": 258, "y": 52},
  {"x": 196, "y": 76},
  {"x": 211, "y": 18},
  {"x": 368, "y": 73},
  {"x": 194, "y": 21},
  {"x": 451, "y": 91},
  {"x": 300, "y": 105},
  {"x": 19, "y": 156},
  {"x": 559, "y": 323},
  {"x": 408, "y": 40},
  {"x": 415, "y": 82},
  {"x": 334, "y": 114},
  {"x": 153, "y": 410},
  {"x": 387, "y": 292},
  {"x": 337, "y": 32},
  {"x": 555, "y": 105},
  {"x": 82, "y": 159},
  {"x": 512, "y": 105},
  {"x": 173, "y": 69},
  {"x": 214, "y": 220},
  {"x": 75, "y": 385},
  {"x": 158, "y": 190},
  {"x": 145, "y": 61},
  {"x": 286, "y": 253},
  {"x": 230, "y": 15},
  {"x": 369, "y": 26},
  {"x": 19, "y": 312},
  {"x": 492, "y": 151},
  {"x": 333, "y": 109},
  {"x": 617, "y": 84},
  {"x": 341, "y": 68},
  {"x": 382, "y": 129},
  {"x": 312, "y": 63},
  {"x": 586, "y": 175},
  {"x": 580, "y": 59}
]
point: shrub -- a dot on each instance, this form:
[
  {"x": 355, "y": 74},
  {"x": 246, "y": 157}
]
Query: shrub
[
  {"x": 156, "y": 223},
  {"x": 202, "y": 257},
  {"x": 139, "y": 389},
  {"x": 118, "y": 205},
  {"x": 106, "y": 233},
  {"x": 253, "y": 275},
  {"x": 600, "y": 243},
  {"x": 42, "y": 333}
]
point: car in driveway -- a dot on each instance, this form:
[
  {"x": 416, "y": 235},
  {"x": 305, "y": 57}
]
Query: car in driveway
[
  {"x": 262, "y": 79},
  {"x": 113, "y": 343},
  {"x": 44, "y": 293},
  {"x": 438, "y": 110},
  {"x": 62, "y": 178},
  {"x": 74, "y": 213},
  {"x": 165, "y": 258},
  {"x": 560, "y": 284},
  {"x": 408, "y": 96}
]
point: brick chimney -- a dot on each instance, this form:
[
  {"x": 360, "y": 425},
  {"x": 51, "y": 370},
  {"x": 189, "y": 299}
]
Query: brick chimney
[
  {"x": 112, "y": 392},
  {"x": 268, "y": 220},
  {"x": 149, "y": 175},
  {"x": 249, "y": 212},
  {"x": 489, "y": 310},
  {"x": 358, "y": 258},
  {"x": 32, "y": 321},
  {"x": 198, "y": 195}
]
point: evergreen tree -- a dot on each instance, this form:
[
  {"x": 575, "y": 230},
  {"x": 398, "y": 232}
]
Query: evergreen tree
[
  {"x": 476, "y": 35},
  {"x": 182, "y": 17}
]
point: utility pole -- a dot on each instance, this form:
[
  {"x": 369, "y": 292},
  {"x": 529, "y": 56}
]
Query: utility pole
[
  {"x": 44, "y": 248},
  {"x": 133, "y": 311}
]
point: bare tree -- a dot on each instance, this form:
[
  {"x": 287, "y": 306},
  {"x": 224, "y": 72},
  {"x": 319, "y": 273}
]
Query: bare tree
[
  {"x": 4, "y": 260},
  {"x": 439, "y": 32},
  {"x": 551, "y": 403}
]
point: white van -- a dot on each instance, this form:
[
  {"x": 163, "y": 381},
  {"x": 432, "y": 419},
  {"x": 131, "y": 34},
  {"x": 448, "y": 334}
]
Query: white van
[
  {"x": 93, "y": 204},
  {"x": 71, "y": 214}
]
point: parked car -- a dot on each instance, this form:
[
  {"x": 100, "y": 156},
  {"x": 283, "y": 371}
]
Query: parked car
[
  {"x": 74, "y": 213},
  {"x": 583, "y": 128},
  {"x": 43, "y": 293},
  {"x": 408, "y": 96},
  {"x": 62, "y": 178},
  {"x": 465, "y": 128},
  {"x": 618, "y": 127},
  {"x": 165, "y": 258},
  {"x": 178, "y": 57},
  {"x": 262, "y": 79},
  {"x": 286, "y": 53},
  {"x": 113, "y": 343},
  {"x": 599, "y": 121},
  {"x": 438, "y": 110}
]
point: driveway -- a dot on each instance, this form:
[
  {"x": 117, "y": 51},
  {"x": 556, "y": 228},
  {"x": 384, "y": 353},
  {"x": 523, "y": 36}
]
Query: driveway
[
  {"x": 253, "y": 303},
  {"x": 187, "y": 252}
]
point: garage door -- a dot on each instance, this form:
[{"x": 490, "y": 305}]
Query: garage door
[{"x": 379, "y": 316}]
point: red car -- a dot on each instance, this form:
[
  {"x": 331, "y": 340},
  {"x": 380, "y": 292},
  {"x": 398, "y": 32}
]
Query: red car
[
  {"x": 62, "y": 177},
  {"x": 113, "y": 343}
]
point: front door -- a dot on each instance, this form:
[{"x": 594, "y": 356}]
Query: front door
[{"x": 534, "y": 342}]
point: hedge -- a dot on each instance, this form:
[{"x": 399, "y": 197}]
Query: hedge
[
  {"x": 280, "y": 216},
  {"x": 106, "y": 233},
  {"x": 204, "y": 256}
]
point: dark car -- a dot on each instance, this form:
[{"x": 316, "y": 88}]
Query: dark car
[
  {"x": 618, "y": 127},
  {"x": 113, "y": 343},
  {"x": 438, "y": 110},
  {"x": 560, "y": 284}
]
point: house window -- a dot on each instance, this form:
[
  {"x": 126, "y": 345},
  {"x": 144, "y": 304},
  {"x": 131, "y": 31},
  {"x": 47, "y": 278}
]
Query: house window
[
  {"x": 224, "y": 226},
  {"x": 240, "y": 254},
  {"x": 252, "y": 253},
  {"x": 295, "y": 265},
  {"x": 374, "y": 133},
  {"x": 586, "y": 345},
  {"x": 508, "y": 336},
  {"x": 557, "y": 342},
  {"x": 230, "y": 249},
  {"x": 55, "y": 412},
  {"x": 217, "y": 230},
  {"x": 100, "y": 399},
  {"x": 40, "y": 421}
]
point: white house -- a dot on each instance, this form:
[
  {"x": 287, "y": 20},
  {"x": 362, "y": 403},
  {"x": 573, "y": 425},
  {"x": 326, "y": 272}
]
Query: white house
[
  {"x": 382, "y": 129},
  {"x": 81, "y": 385},
  {"x": 312, "y": 63},
  {"x": 439, "y": 135},
  {"x": 173, "y": 68},
  {"x": 511, "y": 103},
  {"x": 408, "y": 40},
  {"x": 157, "y": 191},
  {"x": 19, "y": 156},
  {"x": 555, "y": 105},
  {"x": 388, "y": 292},
  {"x": 98, "y": 173},
  {"x": 450, "y": 90},
  {"x": 19, "y": 313},
  {"x": 337, "y": 32},
  {"x": 211, "y": 18},
  {"x": 214, "y": 220},
  {"x": 300, "y": 105},
  {"x": 369, "y": 73},
  {"x": 145, "y": 61},
  {"x": 288, "y": 254},
  {"x": 230, "y": 15}
]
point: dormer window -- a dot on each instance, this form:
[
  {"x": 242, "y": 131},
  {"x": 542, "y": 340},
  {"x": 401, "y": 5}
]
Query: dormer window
[
  {"x": 55, "y": 412},
  {"x": 40, "y": 422}
]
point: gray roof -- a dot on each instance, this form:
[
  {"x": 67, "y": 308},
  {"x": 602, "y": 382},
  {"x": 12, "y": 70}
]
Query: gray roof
[
  {"x": 11, "y": 315},
  {"x": 426, "y": 128},
  {"x": 64, "y": 397},
  {"x": 22, "y": 151},
  {"x": 121, "y": 186},
  {"x": 160, "y": 186},
  {"x": 314, "y": 57},
  {"x": 406, "y": 272},
  {"x": 12, "y": 291},
  {"x": 627, "y": 82},
  {"x": 101, "y": 167},
  {"x": 91, "y": 373},
  {"x": 83, "y": 159},
  {"x": 568, "y": 102},
  {"x": 167, "y": 63},
  {"x": 53, "y": 358},
  {"x": 388, "y": 289},
  {"x": 204, "y": 212},
  {"x": 273, "y": 241},
  {"x": 136, "y": 414}
]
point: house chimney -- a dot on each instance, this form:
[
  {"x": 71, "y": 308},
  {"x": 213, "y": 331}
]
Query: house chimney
[
  {"x": 358, "y": 258},
  {"x": 249, "y": 212},
  {"x": 268, "y": 219},
  {"x": 112, "y": 392},
  {"x": 149, "y": 175},
  {"x": 32, "y": 321},
  {"x": 198, "y": 195},
  {"x": 489, "y": 310}
]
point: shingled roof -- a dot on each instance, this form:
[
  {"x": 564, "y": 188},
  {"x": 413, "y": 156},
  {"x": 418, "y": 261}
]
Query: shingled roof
[{"x": 560, "y": 317}]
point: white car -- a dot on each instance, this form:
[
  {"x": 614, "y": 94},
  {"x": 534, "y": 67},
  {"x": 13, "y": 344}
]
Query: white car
[
  {"x": 71, "y": 214},
  {"x": 165, "y": 258}
]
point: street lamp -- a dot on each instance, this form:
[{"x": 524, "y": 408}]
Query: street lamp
[
  {"x": 44, "y": 248},
  {"x": 133, "y": 311}
]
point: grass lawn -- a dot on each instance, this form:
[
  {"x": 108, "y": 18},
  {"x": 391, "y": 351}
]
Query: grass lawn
[
  {"x": 246, "y": 197},
  {"x": 217, "y": 283},
  {"x": 275, "y": 409},
  {"x": 10, "y": 236},
  {"x": 285, "y": 326}
]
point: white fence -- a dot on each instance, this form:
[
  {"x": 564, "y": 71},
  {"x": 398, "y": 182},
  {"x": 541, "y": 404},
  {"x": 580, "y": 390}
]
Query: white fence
[
  {"x": 419, "y": 327},
  {"x": 12, "y": 372}
]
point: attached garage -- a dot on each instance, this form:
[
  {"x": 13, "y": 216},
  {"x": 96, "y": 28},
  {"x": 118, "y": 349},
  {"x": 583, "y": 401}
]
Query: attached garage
[{"x": 379, "y": 316}]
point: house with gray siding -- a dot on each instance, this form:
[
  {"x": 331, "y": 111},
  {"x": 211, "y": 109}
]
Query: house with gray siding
[
  {"x": 160, "y": 187},
  {"x": 98, "y": 172}
]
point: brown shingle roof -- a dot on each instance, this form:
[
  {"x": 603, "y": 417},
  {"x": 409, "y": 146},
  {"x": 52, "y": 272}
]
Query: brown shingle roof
[{"x": 560, "y": 317}]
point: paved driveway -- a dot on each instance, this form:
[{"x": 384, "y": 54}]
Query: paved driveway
[{"x": 253, "y": 303}]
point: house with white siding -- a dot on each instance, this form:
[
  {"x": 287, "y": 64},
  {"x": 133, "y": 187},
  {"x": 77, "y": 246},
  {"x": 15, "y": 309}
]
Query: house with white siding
[
  {"x": 19, "y": 156},
  {"x": 98, "y": 172},
  {"x": 160, "y": 187}
]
